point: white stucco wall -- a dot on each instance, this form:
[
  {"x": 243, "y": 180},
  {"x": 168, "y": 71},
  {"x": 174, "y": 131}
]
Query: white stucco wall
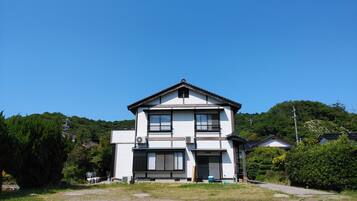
[
  {"x": 208, "y": 144},
  {"x": 171, "y": 98},
  {"x": 227, "y": 160},
  {"x": 142, "y": 123},
  {"x": 194, "y": 98},
  {"x": 123, "y": 158},
  {"x": 226, "y": 124},
  {"x": 183, "y": 123},
  {"x": 122, "y": 136}
]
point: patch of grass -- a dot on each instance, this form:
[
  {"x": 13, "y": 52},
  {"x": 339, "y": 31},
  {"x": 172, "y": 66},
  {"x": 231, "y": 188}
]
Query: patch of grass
[
  {"x": 192, "y": 191},
  {"x": 165, "y": 191},
  {"x": 211, "y": 186},
  {"x": 351, "y": 193}
]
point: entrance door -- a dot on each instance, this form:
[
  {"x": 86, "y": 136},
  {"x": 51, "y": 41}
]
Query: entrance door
[{"x": 208, "y": 166}]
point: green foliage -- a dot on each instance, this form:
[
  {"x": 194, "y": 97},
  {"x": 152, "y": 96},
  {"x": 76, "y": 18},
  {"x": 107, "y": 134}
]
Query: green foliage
[
  {"x": 273, "y": 176},
  {"x": 40, "y": 150},
  {"x": 101, "y": 156},
  {"x": 72, "y": 174},
  {"x": 313, "y": 118},
  {"x": 86, "y": 141},
  {"x": 6, "y": 145},
  {"x": 329, "y": 166},
  {"x": 316, "y": 128},
  {"x": 279, "y": 162},
  {"x": 260, "y": 161},
  {"x": 91, "y": 150},
  {"x": 77, "y": 164}
]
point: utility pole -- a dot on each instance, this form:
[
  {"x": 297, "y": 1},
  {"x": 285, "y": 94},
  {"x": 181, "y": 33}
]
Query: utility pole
[{"x": 296, "y": 131}]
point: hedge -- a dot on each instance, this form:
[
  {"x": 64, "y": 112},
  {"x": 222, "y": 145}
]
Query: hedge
[{"x": 331, "y": 166}]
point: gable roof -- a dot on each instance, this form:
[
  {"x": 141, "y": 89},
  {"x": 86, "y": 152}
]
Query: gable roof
[
  {"x": 235, "y": 106},
  {"x": 252, "y": 144},
  {"x": 335, "y": 136}
]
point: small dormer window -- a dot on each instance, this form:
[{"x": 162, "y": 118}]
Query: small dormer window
[{"x": 183, "y": 93}]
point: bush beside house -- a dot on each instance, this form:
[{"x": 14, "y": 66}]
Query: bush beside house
[
  {"x": 330, "y": 166},
  {"x": 260, "y": 165}
]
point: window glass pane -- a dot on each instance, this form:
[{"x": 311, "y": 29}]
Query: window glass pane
[
  {"x": 201, "y": 122},
  {"x": 160, "y": 161},
  {"x": 154, "y": 127},
  {"x": 139, "y": 161},
  {"x": 154, "y": 122},
  {"x": 165, "y": 122},
  {"x": 178, "y": 161},
  {"x": 169, "y": 161},
  {"x": 151, "y": 161},
  {"x": 155, "y": 119}
]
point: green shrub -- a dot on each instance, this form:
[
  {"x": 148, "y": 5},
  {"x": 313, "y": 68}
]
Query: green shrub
[
  {"x": 274, "y": 176},
  {"x": 329, "y": 166},
  {"x": 260, "y": 161},
  {"x": 40, "y": 151},
  {"x": 77, "y": 164}
]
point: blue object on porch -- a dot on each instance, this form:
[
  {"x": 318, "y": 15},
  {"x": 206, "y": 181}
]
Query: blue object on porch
[{"x": 210, "y": 179}]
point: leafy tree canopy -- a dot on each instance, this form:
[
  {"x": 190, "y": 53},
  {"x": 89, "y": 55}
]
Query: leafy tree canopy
[{"x": 313, "y": 118}]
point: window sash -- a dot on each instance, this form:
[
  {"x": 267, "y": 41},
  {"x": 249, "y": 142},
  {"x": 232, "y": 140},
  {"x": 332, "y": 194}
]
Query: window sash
[
  {"x": 207, "y": 122},
  {"x": 160, "y": 122},
  {"x": 165, "y": 161}
]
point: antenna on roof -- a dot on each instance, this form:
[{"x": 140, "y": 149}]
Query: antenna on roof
[{"x": 183, "y": 80}]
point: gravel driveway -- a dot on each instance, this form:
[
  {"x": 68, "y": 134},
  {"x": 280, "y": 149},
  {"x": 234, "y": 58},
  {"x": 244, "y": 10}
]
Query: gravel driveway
[{"x": 297, "y": 191}]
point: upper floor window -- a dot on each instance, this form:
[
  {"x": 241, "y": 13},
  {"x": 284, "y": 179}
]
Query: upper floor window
[
  {"x": 183, "y": 92},
  {"x": 159, "y": 122},
  {"x": 207, "y": 122}
]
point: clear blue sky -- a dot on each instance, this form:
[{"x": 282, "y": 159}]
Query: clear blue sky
[{"x": 93, "y": 58}]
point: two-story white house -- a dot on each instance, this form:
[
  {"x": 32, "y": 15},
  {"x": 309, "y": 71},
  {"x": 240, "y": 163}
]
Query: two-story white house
[{"x": 182, "y": 133}]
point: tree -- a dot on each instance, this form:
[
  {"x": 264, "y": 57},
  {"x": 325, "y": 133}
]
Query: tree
[
  {"x": 41, "y": 150},
  {"x": 77, "y": 164},
  {"x": 6, "y": 148},
  {"x": 101, "y": 156},
  {"x": 313, "y": 118}
]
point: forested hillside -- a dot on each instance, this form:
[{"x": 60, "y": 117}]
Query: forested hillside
[{"x": 313, "y": 119}]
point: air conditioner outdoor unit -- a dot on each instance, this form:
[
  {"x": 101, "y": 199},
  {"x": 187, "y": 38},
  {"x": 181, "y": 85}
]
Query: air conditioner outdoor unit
[
  {"x": 189, "y": 140},
  {"x": 141, "y": 140}
]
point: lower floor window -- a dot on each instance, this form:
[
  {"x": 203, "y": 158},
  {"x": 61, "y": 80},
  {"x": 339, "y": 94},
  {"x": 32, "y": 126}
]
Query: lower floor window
[
  {"x": 178, "y": 165},
  {"x": 165, "y": 161}
]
